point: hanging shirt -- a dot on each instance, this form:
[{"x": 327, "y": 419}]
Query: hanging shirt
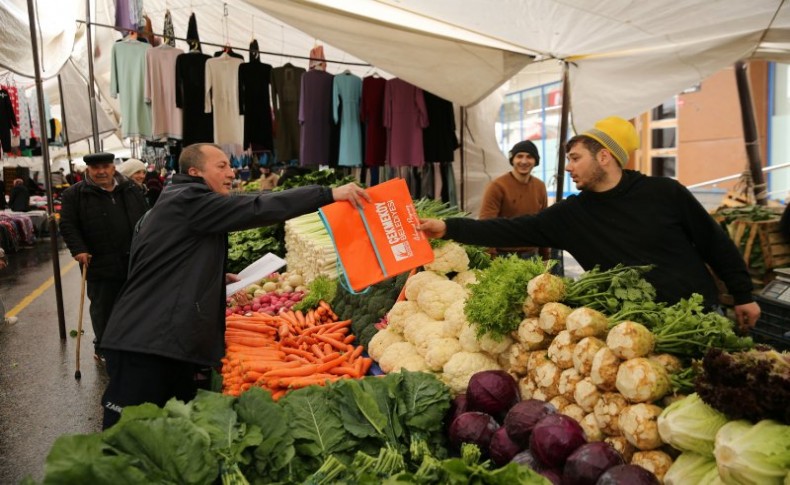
[
  {"x": 197, "y": 125},
  {"x": 13, "y": 95},
  {"x": 347, "y": 91},
  {"x": 315, "y": 116},
  {"x": 254, "y": 79},
  {"x": 24, "y": 117},
  {"x": 127, "y": 80},
  {"x": 222, "y": 98},
  {"x": 37, "y": 128},
  {"x": 160, "y": 91},
  {"x": 372, "y": 112},
  {"x": 286, "y": 88},
  {"x": 438, "y": 138},
  {"x": 405, "y": 116},
  {"x": 7, "y": 120}
]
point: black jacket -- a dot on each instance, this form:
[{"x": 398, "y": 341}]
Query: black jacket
[
  {"x": 173, "y": 303},
  {"x": 88, "y": 225},
  {"x": 19, "y": 201},
  {"x": 643, "y": 220}
]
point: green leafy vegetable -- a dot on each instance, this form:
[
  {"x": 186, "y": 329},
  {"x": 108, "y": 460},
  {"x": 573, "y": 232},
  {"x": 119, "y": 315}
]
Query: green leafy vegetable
[
  {"x": 686, "y": 330},
  {"x": 276, "y": 450},
  {"x": 327, "y": 178},
  {"x": 751, "y": 385},
  {"x": 690, "y": 425},
  {"x": 321, "y": 288},
  {"x": 620, "y": 292},
  {"x": 753, "y": 454},
  {"x": 495, "y": 303}
]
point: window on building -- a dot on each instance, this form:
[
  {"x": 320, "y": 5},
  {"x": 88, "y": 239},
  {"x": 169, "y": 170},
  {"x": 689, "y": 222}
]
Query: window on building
[
  {"x": 663, "y": 138},
  {"x": 663, "y": 166},
  {"x": 534, "y": 114},
  {"x": 666, "y": 110}
]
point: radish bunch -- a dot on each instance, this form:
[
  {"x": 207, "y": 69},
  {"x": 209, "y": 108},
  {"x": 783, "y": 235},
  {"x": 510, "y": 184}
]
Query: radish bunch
[{"x": 271, "y": 303}]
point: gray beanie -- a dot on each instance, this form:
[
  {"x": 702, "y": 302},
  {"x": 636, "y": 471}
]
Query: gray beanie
[{"x": 524, "y": 146}]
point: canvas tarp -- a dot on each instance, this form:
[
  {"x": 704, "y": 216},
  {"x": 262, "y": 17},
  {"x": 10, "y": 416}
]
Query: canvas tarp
[{"x": 625, "y": 56}]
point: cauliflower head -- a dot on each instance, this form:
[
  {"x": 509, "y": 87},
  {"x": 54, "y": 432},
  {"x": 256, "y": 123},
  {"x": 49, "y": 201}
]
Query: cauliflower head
[
  {"x": 468, "y": 338},
  {"x": 381, "y": 341},
  {"x": 434, "y": 298},
  {"x": 462, "y": 365},
  {"x": 416, "y": 282},
  {"x": 449, "y": 257},
  {"x": 454, "y": 318},
  {"x": 466, "y": 278},
  {"x": 439, "y": 351},
  {"x": 493, "y": 346},
  {"x": 400, "y": 311},
  {"x": 402, "y": 355},
  {"x": 418, "y": 323}
]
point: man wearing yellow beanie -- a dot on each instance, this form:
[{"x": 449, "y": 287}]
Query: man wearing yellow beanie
[{"x": 623, "y": 216}]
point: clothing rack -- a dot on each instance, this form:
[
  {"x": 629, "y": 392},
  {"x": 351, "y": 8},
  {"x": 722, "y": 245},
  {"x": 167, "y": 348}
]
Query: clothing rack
[{"x": 278, "y": 54}]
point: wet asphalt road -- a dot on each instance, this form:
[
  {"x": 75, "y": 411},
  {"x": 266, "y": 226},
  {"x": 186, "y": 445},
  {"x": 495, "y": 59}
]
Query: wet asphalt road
[{"x": 39, "y": 397}]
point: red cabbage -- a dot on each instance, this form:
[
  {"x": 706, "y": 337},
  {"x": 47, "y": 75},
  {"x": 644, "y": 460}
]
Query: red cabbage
[
  {"x": 473, "y": 427},
  {"x": 492, "y": 392},
  {"x": 589, "y": 461},
  {"x": 459, "y": 406},
  {"x": 526, "y": 458},
  {"x": 502, "y": 449},
  {"x": 522, "y": 417},
  {"x": 552, "y": 475},
  {"x": 627, "y": 475},
  {"x": 554, "y": 438}
]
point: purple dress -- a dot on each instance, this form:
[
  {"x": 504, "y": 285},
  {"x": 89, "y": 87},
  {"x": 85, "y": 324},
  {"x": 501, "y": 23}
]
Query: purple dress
[
  {"x": 405, "y": 116},
  {"x": 315, "y": 117}
]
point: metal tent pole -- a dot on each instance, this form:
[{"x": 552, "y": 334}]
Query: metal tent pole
[
  {"x": 750, "y": 136},
  {"x": 563, "y": 136},
  {"x": 53, "y": 227},
  {"x": 91, "y": 78},
  {"x": 65, "y": 124},
  {"x": 463, "y": 159}
]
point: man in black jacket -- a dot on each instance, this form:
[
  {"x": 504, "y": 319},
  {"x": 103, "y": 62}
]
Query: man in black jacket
[
  {"x": 19, "y": 201},
  {"x": 154, "y": 344},
  {"x": 622, "y": 216},
  {"x": 97, "y": 221}
]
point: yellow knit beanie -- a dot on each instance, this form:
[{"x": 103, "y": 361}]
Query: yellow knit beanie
[{"x": 616, "y": 135}]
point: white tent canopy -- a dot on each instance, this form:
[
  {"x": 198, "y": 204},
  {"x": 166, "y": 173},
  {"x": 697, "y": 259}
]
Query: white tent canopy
[{"x": 625, "y": 57}]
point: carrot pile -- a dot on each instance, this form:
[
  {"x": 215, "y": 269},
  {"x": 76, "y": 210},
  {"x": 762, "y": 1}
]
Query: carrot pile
[{"x": 289, "y": 351}]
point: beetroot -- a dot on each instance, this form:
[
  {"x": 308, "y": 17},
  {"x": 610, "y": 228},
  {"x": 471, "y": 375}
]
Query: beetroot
[{"x": 523, "y": 417}]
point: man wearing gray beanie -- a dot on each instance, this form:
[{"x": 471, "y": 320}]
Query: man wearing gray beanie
[{"x": 517, "y": 193}]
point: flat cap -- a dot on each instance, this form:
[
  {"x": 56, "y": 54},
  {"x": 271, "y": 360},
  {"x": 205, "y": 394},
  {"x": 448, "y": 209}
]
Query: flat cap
[{"x": 96, "y": 158}]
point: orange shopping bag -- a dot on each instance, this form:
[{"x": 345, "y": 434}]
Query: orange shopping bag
[{"x": 378, "y": 241}]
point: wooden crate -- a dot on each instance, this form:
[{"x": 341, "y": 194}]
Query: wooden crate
[{"x": 763, "y": 246}]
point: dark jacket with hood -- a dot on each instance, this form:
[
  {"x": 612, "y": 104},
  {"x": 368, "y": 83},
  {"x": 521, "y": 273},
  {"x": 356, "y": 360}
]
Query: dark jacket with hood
[
  {"x": 642, "y": 220},
  {"x": 101, "y": 223},
  {"x": 181, "y": 248}
]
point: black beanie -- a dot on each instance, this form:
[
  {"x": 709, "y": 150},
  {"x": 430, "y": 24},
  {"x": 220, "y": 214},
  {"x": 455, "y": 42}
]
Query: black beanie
[{"x": 524, "y": 146}]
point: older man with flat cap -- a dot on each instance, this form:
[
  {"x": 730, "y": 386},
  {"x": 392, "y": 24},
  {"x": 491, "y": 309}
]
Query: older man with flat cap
[
  {"x": 97, "y": 221},
  {"x": 623, "y": 216}
]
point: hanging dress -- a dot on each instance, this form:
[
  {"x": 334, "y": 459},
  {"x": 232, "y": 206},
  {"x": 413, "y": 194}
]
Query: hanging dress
[
  {"x": 222, "y": 98},
  {"x": 405, "y": 116},
  {"x": 286, "y": 87},
  {"x": 347, "y": 91}
]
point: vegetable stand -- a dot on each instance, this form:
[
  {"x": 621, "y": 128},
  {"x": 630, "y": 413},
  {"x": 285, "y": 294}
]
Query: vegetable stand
[{"x": 495, "y": 372}]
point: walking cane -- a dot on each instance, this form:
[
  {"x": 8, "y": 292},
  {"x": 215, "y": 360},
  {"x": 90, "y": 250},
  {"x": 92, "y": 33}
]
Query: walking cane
[{"x": 77, "y": 373}]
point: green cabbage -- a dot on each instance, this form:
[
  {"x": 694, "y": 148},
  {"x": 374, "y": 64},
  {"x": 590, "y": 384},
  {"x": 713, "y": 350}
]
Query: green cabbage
[
  {"x": 753, "y": 454},
  {"x": 692, "y": 468},
  {"x": 690, "y": 425}
]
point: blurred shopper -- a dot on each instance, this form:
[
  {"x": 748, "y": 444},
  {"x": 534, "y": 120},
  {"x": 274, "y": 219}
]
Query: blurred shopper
[{"x": 19, "y": 201}]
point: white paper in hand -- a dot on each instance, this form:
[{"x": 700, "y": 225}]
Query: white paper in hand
[{"x": 255, "y": 272}]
